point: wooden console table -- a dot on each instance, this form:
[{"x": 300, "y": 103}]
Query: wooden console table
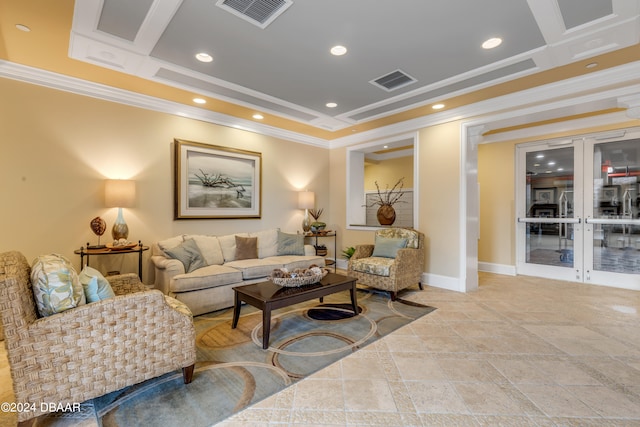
[
  {"x": 331, "y": 234},
  {"x": 139, "y": 248}
]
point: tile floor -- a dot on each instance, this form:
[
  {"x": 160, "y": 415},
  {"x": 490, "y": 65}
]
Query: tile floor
[{"x": 520, "y": 351}]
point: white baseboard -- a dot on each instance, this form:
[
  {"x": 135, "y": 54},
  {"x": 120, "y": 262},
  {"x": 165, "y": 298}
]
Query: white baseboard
[
  {"x": 442, "y": 282},
  {"x": 507, "y": 270}
]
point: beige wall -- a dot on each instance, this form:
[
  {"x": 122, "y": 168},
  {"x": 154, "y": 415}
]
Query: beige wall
[
  {"x": 496, "y": 172},
  {"x": 439, "y": 202},
  {"x": 388, "y": 172},
  {"x": 58, "y": 148}
]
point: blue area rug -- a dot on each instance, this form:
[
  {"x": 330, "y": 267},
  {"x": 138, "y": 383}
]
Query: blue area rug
[{"x": 233, "y": 371}]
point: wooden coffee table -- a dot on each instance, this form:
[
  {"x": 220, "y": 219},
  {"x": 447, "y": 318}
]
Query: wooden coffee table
[{"x": 268, "y": 296}]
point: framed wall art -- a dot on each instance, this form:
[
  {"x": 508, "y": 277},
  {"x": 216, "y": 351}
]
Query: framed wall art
[
  {"x": 544, "y": 195},
  {"x": 212, "y": 181}
]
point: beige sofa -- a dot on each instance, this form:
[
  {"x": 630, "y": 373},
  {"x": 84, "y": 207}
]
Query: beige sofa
[{"x": 209, "y": 286}]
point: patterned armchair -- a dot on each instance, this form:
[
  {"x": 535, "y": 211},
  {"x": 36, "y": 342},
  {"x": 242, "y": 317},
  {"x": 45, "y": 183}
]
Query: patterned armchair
[
  {"x": 93, "y": 349},
  {"x": 390, "y": 273}
]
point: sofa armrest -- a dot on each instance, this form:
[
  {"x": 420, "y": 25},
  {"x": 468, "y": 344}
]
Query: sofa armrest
[{"x": 165, "y": 269}]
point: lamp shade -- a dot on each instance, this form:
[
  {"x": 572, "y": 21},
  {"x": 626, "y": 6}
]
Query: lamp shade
[
  {"x": 306, "y": 200},
  {"x": 119, "y": 193}
]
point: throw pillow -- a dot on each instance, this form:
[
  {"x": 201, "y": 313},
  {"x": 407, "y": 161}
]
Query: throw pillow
[
  {"x": 267, "y": 242},
  {"x": 188, "y": 254},
  {"x": 210, "y": 249},
  {"x": 96, "y": 287},
  {"x": 387, "y": 247},
  {"x": 55, "y": 283},
  {"x": 246, "y": 247},
  {"x": 290, "y": 244}
]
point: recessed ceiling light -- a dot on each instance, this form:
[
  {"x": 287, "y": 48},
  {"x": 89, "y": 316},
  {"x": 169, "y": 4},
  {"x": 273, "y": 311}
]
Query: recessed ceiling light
[
  {"x": 551, "y": 163},
  {"x": 23, "y": 28},
  {"x": 539, "y": 156},
  {"x": 591, "y": 65},
  {"x": 338, "y": 50},
  {"x": 385, "y": 146},
  {"x": 204, "y": 57},
  {"x": 560, "y": 169},
  {"x": 258, "y": 116},
  {"x": 199, "y": 101},
  {"x": 331, "y": 104},
  {"x": 437, "y": 106},
  {"x": 492, "y": 42}
]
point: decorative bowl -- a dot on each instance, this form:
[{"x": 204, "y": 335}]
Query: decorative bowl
[{"x": 298, "y": 280}]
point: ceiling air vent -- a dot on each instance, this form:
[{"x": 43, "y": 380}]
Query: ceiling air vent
[
  {"x": 258, "y": 12},
  {"x": 394, "y": 80}
]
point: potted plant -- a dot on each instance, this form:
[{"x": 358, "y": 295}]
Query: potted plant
[
  {"x": 386, "y": 199},
  {"x": 316, "y": 225},
  {"x": 348, "y": 252}
]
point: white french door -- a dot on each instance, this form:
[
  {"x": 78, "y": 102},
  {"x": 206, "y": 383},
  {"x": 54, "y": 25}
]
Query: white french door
[{"x": 577, "y": 209}]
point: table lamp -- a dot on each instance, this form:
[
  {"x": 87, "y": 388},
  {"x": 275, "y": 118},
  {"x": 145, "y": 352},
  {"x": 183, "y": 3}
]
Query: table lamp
[
  {"x": 306, "y": 201},
  {"x": 119, "y": 193}
]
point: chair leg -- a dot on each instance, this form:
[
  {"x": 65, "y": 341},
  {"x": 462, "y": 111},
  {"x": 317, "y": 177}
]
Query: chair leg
[
  {"x": 393, "y": 295},
  {"x": 187, "y": 373},
  {"x": 420, "y": 286}
]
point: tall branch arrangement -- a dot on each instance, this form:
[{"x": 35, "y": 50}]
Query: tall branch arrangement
[{"x": 389, "y": 196}]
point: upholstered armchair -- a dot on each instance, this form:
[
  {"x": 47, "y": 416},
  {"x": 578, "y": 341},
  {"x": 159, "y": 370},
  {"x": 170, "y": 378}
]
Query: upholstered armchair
[
  {"x": 393, "y": 263},
  {"x": 93, "y": 349}
]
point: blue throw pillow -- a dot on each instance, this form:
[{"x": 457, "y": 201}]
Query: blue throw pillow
[
  {"x": 290, "y": 244},
  {"x": 188, "y": 254},
  {"x": 387, "y": 247},
  {"x": 96, "y": 287}
]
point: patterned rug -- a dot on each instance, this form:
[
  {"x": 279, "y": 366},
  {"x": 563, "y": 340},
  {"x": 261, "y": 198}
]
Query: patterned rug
[{"x": 233, "y": 371}]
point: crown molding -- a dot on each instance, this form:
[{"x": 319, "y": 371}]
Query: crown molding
[
  {"x": 563, "y": 97},
  {"x": 567, "y": 95},
  {"x": 78, "y": 86}
]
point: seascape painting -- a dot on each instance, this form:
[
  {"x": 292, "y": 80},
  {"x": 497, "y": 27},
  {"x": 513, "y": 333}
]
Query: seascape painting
[{"x": 216, "y": 182}]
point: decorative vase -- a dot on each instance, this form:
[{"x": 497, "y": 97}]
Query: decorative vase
[
  {"x": 386, "y": 215},
  {"x": 120, "y": 229}
]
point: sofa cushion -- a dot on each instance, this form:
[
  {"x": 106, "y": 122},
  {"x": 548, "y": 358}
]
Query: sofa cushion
[
  {"x": 209, "y": 248},
  {"x": 56, "y": 286},
  {"x": 290, "y": 244},
  {"x": 387, "y": 247},
  {"x": 295, "y": 261},
  {"x": 228, "y": 245},
  {"x": 373, "y": 265},
  {"x": 255, "y": 268},
  {"x": 267, "y": 242},
  {"x": 96, "y": 287},
  {"x": 206, "y": 277},
  {"x": 188, "y": 254},
  {"x": 246, "y": 248}
]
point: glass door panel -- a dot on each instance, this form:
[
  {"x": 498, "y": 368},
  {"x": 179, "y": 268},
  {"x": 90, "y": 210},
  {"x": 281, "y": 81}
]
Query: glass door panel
[
  {"x": 547, "y": 220},
  {"x": 613, "y": 223}
]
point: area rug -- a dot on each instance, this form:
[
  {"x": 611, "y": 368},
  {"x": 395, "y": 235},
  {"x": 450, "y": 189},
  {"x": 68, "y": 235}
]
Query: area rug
[{"x": 233, "y": 371}]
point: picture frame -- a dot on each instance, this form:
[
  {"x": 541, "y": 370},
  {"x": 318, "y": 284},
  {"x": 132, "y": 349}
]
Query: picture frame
[
  {"x": 213, "y": 181},
  {"x": 544, "y": 196},
  {"x": 610, "y": 195}
]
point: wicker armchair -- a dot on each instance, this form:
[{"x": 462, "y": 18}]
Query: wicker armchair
[
  {"x": 93, "y": 349},
  {"x": 390, "y": 274}
]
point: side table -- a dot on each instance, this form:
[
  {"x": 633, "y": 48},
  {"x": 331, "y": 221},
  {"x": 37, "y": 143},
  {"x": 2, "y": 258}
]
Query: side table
[
  {"x": 331, "y": 234},
  {"x": 139, "y": 248}
]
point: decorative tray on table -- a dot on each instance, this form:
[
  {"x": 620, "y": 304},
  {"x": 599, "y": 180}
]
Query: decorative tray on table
[{"x": 297, "y": 277}]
